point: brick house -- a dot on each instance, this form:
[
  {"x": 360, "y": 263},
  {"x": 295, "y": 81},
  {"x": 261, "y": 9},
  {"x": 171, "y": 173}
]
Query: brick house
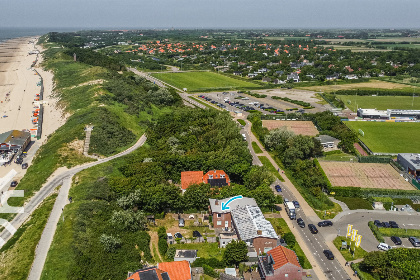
[
  {"x": 223, "y": 218},
  {"x": 252, "y": 227},
  {"x": 280, "y": 263}
]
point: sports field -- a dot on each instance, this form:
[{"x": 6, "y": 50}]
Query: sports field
[
  {"x": 196, "y": 81},
  {"x": 364, "y": 175},
  {"x": 388, "y": 137},
  {"x": 380, "y": 102}
]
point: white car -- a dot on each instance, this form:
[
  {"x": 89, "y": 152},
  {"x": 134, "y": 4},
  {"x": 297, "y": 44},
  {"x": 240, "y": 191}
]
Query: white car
[{"x": 384, "y": 246}]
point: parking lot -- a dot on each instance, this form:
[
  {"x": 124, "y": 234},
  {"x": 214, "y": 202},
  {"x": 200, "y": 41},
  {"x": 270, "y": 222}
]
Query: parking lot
[{"x": 239, "y": 102}]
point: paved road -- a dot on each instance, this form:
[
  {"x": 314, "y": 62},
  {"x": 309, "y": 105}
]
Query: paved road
[
  {"x": 58, "y": 180},
  {"x": 360, "y": 218}
]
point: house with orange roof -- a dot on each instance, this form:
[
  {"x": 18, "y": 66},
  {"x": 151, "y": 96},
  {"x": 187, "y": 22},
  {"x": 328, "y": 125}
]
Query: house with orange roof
[
  {"x": 280, "y": 263},
  {"x": 189, "y": 178},
  {"x": 180, "y": 270}
]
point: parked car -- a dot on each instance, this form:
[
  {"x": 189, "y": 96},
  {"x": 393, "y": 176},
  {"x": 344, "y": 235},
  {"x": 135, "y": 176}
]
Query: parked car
[
  {"x": 24, "y": 166},
  {"x": 377, "y": 223},
  {"x": 300, "y": 222},
  {"x": 278, "y": 188},
  {"x": 386, "y": 225},
  {"x": 329, "y": 254},
  {"x": 415, "y": 241},
  {"x": 384, "y": 247},
  {"x": 325, "y": 224},
  {"x": 13, "y": 184},
  {"x": 313, "y": 228},
  {"x": 196, "y": 233},
  {"x": 285, "y": 200},
  {"x": 393, "y": 224},
  {"x": 296, "y": 204},
  {"x": 396, "y": 240},
  {"x": 181, "y": 222},
  {"x": 178, "y": 235}
]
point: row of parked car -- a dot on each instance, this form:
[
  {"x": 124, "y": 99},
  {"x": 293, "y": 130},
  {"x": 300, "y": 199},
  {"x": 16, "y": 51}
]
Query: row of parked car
[{"x": 390, "y": 224}]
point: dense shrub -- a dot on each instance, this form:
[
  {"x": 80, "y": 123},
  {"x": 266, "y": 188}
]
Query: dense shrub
[
  {"x": 376, "y": 232},
  {"x": 210, "y": 271},
  {"x": 212, "y": 262}
]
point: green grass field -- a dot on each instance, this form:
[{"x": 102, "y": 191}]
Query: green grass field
[
  {"x": 389, "y": 137},
  {"x": 380, "y": 102},
  {"x": 201, "y": 81}
]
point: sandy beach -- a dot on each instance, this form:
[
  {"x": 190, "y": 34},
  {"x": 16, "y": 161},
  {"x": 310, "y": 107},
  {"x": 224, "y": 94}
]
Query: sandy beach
[{"x": 19, "y": 86}]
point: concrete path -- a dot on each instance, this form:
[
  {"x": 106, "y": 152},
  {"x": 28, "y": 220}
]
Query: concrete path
[
  {"x": 53, "y": 182},
  {"x": 343, "y": 206},
  {"x": 47, "y": 236}
]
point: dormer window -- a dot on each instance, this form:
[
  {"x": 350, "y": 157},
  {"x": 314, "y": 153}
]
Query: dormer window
[
  {"x": 210, "y": 176},
  {"x": 222, "y": 176}
]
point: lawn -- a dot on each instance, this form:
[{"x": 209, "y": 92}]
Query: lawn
[
  {"x": 205, "y": 250},
  {"x": 201, "y": 81},
  {"x": 266, "y": 162},
  {"x": 348, "y": 256},
  {"x": 281, "y": 228},
  {"x": 355, "y": 202},
  {"x": 329, "y": 213},
  {"x": 372, "y": 84},
  {"x": 380, "y": 102},
  {"x": 256, "y": 148},
  {"x": 388, "y": 137}
]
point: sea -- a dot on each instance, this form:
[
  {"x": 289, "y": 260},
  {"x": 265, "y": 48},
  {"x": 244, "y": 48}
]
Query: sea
[{"x": 7, "y": 33}]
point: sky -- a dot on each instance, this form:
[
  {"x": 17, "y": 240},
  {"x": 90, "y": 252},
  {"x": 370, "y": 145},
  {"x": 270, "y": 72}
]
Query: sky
[{"x": 211, "y": 13}]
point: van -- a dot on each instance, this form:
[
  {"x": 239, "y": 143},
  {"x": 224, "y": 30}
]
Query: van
[
  {"x": 244, "y": 136},
  {"x": 181, "y": 222}
]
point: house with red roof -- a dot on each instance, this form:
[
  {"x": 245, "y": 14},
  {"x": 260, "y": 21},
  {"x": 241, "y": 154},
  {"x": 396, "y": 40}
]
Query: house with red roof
[
  {"x": 216, "y": 178},
  {"x": 280, "y": 263},
  {"x": 189, "y": 178},
  {"x": 180, "y": 270}
]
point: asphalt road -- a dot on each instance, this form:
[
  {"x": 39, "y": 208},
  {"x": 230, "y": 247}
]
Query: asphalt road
[
  {"x": 332, "y": 269},
  {"x": 360, "y": 219},
  {"x": 46, "y": 190}
]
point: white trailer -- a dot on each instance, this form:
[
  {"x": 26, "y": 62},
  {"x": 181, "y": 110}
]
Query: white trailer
[{"x": 290, "y": 210}]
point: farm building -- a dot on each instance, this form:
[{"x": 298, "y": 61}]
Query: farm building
[
  {"x": 411, "y": 163},
  {"x": 388, "y": 114},
  {"x": 12, "y": 142},
  {"x": 328, "y": 142}
]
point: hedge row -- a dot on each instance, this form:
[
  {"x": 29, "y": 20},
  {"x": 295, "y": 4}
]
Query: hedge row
[
  {"x": 329, "y": 186},
  {"x": 365, "y": 192},
  {"x": 298, "y": 102},
  {"x": 379, "y": 92},
  {"x": 400, "y": 232},
  {"x": 376, "y": 232}
]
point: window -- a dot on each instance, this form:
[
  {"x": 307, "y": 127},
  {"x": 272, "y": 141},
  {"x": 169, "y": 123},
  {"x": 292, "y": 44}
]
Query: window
[
  {"x": 210, "y": 176},
  {"x": 219, "y": 215},
  {"x": 286, "y": 275},
  {"x": 222, "y": 176},
  {"x": 219, "y": 223}
]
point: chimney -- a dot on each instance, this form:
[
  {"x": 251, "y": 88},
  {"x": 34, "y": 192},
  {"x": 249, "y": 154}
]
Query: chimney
[
  {"x": 215, "y": 171},
  {"x": 259, "y": 232},
  {"x": 216, "y": 202}
]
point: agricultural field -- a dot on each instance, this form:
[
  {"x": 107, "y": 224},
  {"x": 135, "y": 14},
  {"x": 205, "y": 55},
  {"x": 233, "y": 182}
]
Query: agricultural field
[
  {"x": 388, "y": 137},
  {"x": 372, "y": 84},
  {"x": 298, "y": 127},
  {"x": 364, "y": 175},
  {"x": 380, "y": 102},
  {"x": 202, "y": 81}
]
